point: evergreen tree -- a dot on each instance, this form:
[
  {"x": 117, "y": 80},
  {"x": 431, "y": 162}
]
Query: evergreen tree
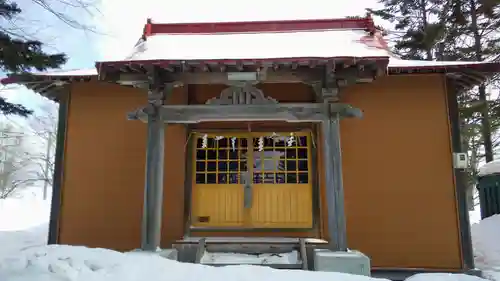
[
  {"x": 18, "y": 55},
  {"x": 476, "y": 23},
  {"x": 419, "y": 26}
]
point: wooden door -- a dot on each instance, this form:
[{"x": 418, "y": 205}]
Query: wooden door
[
  {"x": 281, "y": 182},
  {"x": 252, "y": 180},
  {"x": 217, "y": 197}
]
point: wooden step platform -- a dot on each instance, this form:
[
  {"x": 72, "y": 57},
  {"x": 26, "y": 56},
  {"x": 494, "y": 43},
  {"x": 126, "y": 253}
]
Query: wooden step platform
[{"x": 268, "y": 249}]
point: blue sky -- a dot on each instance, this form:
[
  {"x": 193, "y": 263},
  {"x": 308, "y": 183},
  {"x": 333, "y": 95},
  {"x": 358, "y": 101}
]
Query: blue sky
[
  {"x": 40, "y": 24},
  {"x": 119, "y": 24}
]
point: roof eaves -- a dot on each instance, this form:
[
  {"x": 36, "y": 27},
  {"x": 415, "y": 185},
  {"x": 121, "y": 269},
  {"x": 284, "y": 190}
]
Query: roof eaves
[
  {"x": 27, "y": 78},
  {"x": 485, "y": 67},
  {"x": 466, "y": 75}
]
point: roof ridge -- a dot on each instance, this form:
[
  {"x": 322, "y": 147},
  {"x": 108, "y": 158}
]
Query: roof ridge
[{"x": 366, "y": 23}]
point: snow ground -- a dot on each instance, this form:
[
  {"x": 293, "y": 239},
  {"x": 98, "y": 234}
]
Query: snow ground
[
  {"x": 24, "y": 256},
  {"x": 23, "y": 223},
  {"x": 23, "y": 212},
  {"x": 72, "y": 263},
  {"x": 487, "y": 246}
]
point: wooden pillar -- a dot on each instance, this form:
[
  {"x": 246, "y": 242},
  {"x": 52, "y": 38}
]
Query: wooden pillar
[
  {"x": 155, "y": 151},
  {"x": 64, "y": 100},
  {"x": 334, "y": 182},
  {"x": 327, "y": 92}
]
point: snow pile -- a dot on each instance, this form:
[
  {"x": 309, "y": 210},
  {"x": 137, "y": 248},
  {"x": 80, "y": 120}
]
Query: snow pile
[
  {"x": 485, "y": 234},
  {"x": 443, "y": 277},
  {"x": 72, "y": 263},
  {"x": 23, "y": 213},
  {"x": 14, "y": 241},
  {"x": 486, "y": 246},
  {"x": 489, "y": 168},
  {"x": 237, "y": 258},
  {"x": 475, "y": 215},
  {"x": 23, "y": 223}
]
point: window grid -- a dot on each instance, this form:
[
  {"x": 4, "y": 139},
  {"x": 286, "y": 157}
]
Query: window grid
[
  {"x": 220, "y": 163},
  {"x": 279, "y": 163}
]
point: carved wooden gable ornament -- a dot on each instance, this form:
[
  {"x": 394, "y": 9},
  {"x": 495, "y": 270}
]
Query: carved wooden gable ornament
[{"x": 241, "y": 95}]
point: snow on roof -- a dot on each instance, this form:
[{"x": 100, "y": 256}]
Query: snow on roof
[
  {"x": 69, "y": 72},
  {"x": 489, "y": 168},
  {"x": 315, "y": 44},
  {"x": 53, "y": 74},
  {"x": 395, "y": 62}
]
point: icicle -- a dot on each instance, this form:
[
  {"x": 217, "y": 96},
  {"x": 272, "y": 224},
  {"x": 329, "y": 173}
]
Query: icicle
[
  {"x": 204, "y": 142},
  {"x": 261, "y": 144},
  {"x": 233, "y": 143},
  {"x": 290, "y": 140}
]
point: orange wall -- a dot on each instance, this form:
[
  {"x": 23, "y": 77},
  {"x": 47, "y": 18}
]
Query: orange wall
[
  {"x": 104, "y": 169},
  {"x": 399, "y": 190},
  {"x": 398, "y": 179}
]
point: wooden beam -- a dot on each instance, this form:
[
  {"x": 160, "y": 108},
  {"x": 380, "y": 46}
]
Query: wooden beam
[
  {"x": 267, "y": 76},
  {"x": 328, "y": 73},
  {"x": 355, "y": 74},
  {"x": 289, "y": 112},
  {"x": 272, "y": 112}
]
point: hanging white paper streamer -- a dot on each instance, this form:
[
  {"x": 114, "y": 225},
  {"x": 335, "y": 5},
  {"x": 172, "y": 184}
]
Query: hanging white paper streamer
[
  {"x": 261, "y": 144},
  {"x": 233, "y": 143},
  {"x": 204, "y": 141},
  {"x": 274, "y": 137},
  {"x": 290, "y": 140}
]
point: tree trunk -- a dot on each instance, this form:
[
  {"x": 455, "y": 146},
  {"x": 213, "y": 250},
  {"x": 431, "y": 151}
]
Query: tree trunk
[
  {"x": 423, "y": 10},
  {"x": 485, "y": 118},
  {"x": 485, "y": 125},
  {"x": 46, "y": 172}
]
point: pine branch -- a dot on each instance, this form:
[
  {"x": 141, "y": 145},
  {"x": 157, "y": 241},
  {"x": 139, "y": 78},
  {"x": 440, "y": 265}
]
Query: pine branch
[{"x": 13, "y": 109}]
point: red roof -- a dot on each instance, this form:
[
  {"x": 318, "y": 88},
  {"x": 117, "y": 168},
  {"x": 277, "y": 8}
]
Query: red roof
[{"x": 258, "y": 26}]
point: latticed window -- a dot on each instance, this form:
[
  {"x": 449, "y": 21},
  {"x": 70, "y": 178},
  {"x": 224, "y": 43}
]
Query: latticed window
[
  {"x": 222, "y": 161},
  {"x": 259, "y": 159}
]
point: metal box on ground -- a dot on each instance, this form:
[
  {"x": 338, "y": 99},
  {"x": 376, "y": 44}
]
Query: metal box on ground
[{"x": 352, "y": 262}]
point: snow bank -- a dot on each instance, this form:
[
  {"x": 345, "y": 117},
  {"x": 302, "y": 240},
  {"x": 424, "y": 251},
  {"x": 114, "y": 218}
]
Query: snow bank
[
  {"x": 486, "y": 245},
  {"x": 72, "y": 263},
  {"x": 14, "y": 241},
  {"x": 443, "y": 277},
  {"x": 237, "y": 258},
  {"x": 23, "y": 223},
  {"x": 475, "y": 215},
  {"x": 23, "y": 213},
  {"x": 489, "y": 168}
]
